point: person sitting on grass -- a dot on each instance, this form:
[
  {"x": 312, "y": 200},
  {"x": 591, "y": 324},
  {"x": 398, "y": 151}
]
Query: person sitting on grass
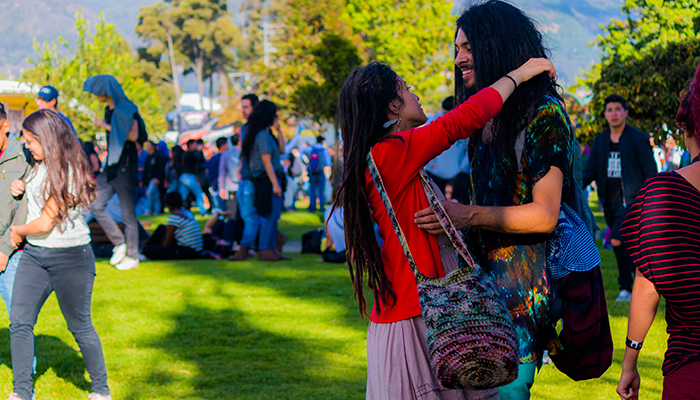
[{"x": 179, "y": 239}]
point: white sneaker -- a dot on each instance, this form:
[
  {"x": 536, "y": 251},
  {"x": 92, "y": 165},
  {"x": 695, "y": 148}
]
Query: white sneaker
[
  {"x": 127, "y": 263},
  {"x": 118, "y": 254},
  {"x": 95, "y": 396},
  {"x": 13, "y": 396},
  {"x": 624, "y": 295}
]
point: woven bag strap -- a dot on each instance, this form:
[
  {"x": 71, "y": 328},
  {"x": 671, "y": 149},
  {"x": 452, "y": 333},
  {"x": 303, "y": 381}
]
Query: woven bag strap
[
  {"x": 446, "y": 222},
  {"x": 379, "y": 183}
]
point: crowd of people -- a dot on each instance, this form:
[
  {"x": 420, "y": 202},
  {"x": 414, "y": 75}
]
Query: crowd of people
[{"x": 501, "y": 158}]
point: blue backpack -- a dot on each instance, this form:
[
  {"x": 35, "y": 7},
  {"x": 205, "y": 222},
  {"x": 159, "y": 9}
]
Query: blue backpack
[{"x": 315, "y": 160}]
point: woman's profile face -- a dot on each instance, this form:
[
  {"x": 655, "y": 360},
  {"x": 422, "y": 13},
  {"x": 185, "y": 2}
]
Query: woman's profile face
[{"x": 412, "y": 114}]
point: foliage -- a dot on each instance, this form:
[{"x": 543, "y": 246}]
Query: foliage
[
  {"x": 104, "y": 52},
  {"x": 646, "y": 57},
  {"x": 334, "y": 58},
  {"x": 411, "y": 35}
]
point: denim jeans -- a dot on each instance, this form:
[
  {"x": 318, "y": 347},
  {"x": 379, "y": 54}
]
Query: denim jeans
[
  {"x": 251, "y": 219},
  {"x": 317, "y": 189},
  {"x": 268, "y": 229},
  {"x": 219, "y": 203},
  {"x": 152, "y": 199},
  {"x": 189, "y": 183},
  {"x": 7, "y": 280},
  {"x": 123, "y": 186},
  {"x": 70, "y": 272},
  {"x": 290, "y": 195}
]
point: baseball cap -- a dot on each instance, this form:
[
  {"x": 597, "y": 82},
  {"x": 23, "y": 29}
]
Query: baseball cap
[{"x": 48, "y": 93}]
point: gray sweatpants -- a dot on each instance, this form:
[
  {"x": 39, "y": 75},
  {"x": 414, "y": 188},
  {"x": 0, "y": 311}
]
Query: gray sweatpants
[
  {"x": 124, "y": 187},
  {"x": 70, "y": 272}
]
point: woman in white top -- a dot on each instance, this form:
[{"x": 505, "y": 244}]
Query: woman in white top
[{"x": 58, "y": 257}]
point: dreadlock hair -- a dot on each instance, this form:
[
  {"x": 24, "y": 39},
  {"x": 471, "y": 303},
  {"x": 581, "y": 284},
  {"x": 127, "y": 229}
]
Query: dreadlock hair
[
  {"x": 502, "y": 39},
  {"x": 362, "y": 111},
  {"x": 262, "y": 117},
  {"x": 688, "y": 117},
  {"x": 65, "y": 162}
]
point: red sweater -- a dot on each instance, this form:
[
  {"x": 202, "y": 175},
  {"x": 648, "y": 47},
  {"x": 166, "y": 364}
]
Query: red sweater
[{"x": 399, "y": 164}]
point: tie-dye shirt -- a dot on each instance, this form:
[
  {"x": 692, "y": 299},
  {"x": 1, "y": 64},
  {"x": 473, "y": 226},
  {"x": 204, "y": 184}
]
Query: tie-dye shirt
[{"x": 517, "y": 262}]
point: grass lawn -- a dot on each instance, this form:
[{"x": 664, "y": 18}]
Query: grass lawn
[{"x": 222, "y": 330}]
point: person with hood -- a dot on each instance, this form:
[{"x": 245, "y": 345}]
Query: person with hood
[{"x": 124, "y": 126}]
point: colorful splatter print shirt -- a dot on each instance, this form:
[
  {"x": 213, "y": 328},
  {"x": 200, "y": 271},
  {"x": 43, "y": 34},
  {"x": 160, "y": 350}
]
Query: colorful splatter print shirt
[{"x": 517, "y": 262}]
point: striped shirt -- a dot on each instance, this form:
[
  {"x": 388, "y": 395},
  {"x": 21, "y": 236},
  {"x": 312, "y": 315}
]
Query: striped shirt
[
  {"x": 187, "y": 232},
  {"x": 662, "y": 234}
]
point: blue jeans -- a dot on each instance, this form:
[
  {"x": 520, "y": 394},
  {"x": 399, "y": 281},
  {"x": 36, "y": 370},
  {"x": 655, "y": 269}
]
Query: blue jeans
[
  {"x": 317, "y": 189},
  {"x": 190, "y": 184},
  {"x": 219, "y": 203},
  {"x": 152, "y": 199},
  {"x": 268, "y": 229},
  {"x": 246, "y": 204},
  {"x": 7, "y": 280}
]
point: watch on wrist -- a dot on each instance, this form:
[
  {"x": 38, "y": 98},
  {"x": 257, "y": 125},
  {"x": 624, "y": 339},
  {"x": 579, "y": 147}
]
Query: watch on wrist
[{"x": 633, "y": 345}]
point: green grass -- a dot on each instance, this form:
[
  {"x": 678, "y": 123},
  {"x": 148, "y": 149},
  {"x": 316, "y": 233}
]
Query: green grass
[{"x": 221, "y": 330}]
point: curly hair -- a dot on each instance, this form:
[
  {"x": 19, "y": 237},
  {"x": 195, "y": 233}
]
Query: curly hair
[{"x": 688, "y": 117}]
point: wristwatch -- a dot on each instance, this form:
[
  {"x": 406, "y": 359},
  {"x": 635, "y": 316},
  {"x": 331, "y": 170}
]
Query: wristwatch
[{"x": 633, "y": 345}]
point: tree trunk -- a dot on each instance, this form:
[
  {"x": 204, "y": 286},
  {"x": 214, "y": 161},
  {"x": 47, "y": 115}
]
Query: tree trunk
[
  {"x": 211, "y": 93},
  {"x": 176, "y": 82},
  {"x": 198, "y": 70},
  {"x": 223, "y": 92}
]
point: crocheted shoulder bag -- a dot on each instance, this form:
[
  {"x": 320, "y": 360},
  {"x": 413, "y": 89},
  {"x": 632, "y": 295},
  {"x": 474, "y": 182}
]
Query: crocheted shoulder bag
[{"x": 471, "y": 336}]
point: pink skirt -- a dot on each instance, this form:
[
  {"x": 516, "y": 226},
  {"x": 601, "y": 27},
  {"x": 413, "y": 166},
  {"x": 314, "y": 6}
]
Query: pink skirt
[{"x": 398, "y": 360}]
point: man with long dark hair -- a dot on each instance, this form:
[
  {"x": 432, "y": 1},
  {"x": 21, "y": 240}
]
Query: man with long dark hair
[{"x": 521, "y": 167}]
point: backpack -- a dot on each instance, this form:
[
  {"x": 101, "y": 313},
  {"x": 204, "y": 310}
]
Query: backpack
[
  {"x": 315, "y": 164},
  {"x": 311, "y": 241}
]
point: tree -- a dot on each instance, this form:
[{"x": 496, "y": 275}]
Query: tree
[
  {"x": 334, "y": 58},
  {"x": 647, "y": 57},
  {"x": 206, "y": 36},
  {"x": 104, "y": 52}
]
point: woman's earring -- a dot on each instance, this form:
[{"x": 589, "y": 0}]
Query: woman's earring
[{"x": 392, "y": 122}]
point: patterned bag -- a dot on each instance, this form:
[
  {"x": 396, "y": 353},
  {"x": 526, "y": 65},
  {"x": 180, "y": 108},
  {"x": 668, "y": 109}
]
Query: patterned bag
[{"x": 471, "y": 336}]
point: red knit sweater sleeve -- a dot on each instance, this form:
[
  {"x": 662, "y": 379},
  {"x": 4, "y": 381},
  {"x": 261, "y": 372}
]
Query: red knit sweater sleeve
[{"x": 420, "y": 145}]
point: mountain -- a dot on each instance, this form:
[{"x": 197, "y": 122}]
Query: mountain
[{"x": 568, "y": 25}]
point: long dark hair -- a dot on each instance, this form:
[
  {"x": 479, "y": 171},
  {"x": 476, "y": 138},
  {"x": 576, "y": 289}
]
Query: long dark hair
[
  {"x": 62, "y": 153},
  {"x": 502, "y": 39},
  {"x": 262, "y": 117},
  {"x": 362, "y": 111},
  {"x": 688, "y": 116}
]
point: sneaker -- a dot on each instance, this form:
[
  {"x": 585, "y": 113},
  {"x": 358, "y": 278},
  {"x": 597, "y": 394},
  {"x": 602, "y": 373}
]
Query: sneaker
[
  {"x": 118, "y": 254},
  {"x": 95, "y": 396},
  {"x": 127, "y": 263},
  {"x": 13, "y": 396},
  {"x": 624, "y": 295}
]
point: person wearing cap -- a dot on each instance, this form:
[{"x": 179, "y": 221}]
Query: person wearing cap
[{"x": 47, "y": 99}]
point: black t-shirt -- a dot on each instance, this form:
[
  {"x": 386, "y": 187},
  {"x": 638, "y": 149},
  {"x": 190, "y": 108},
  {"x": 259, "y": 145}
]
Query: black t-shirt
[
  {"x": 613, "y": 185},
  {"x": 129, "y": 155},
  {"x": 191, "y": 162}
]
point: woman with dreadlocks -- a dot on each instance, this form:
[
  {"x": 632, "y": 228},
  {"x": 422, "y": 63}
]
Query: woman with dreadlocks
[{"x": 379, "y": 113}]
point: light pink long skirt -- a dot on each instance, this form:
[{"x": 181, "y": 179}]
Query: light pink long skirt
[{"x": 398, "y": 360}]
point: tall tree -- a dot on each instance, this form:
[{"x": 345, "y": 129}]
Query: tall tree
[
  {"x": 206, "y": 36},
  {"x": 647, "y": 57},
  {"x": 104, "y": 52}
]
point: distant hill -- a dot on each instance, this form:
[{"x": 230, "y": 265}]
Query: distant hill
[{"x": 569, "y": 25}]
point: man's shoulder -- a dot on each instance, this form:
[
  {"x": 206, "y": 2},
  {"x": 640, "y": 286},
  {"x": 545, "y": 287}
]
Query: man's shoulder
[{"x": 636, "y": 134}]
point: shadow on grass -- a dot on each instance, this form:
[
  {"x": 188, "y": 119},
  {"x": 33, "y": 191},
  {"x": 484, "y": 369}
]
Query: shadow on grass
[
  {"x": 52, "y": 353},
  {"x": 234, "y": 359}
]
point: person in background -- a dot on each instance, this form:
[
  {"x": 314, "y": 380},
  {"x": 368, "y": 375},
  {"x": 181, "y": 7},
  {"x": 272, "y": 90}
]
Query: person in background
[
  {"x": 674, "y": 155},
  {"x": 124, "y": 127},
  {"x": 230, "y": 174},
  {"x": 153, "y": 178},
  {"x": 47, "y": 99},
  {"x": 452, "y": 166},
  {"x": 662, "y": 234},
  {"x": 261, "y": 151},
  {"x": 335, "y": 235},
  {"x": 192, "y": 162},
  {"x": 174, "y": 169},
  {"x": 93, "y": 158},
  {"x": 212, "y": 168},
  {"x": 202, "y": 177},
  {"x": 319, "y": 170},
  {"x": 180, "y": 237},
  {"x": 621, "y": 160}
]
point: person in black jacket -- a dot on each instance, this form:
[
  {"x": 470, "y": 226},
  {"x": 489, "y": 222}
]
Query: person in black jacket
[
  {"x": 153, "y": 178},
  {"x": 621, "y": 161}
]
